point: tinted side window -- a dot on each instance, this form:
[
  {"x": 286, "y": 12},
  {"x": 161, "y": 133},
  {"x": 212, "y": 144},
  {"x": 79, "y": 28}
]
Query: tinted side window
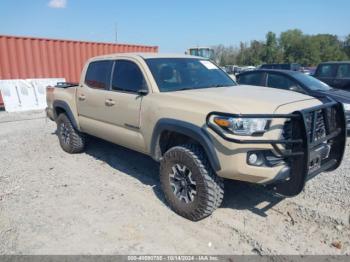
[
  {"x": 127, "y": 76},
  {"x": 343, "y": 71},
  {"x": 325, "y": 70},
  {"x": 251, "y": 79},
  {"x": 283, "y": 67},
  {"x": 279, "y": 81},
  {"x": 98, "y": 74},
  {"x": 295, "y": 67}
]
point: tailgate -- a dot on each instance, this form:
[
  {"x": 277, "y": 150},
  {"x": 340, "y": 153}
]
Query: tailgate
[{"x": 49, "y": 100}]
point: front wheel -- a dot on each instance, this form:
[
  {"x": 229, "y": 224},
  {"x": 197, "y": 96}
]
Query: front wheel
[{"x": 191, "y": 187}]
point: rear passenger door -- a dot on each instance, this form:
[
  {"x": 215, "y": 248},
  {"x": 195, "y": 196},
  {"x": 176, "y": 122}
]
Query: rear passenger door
[
  {"x": 326, "y": 73},
  {"x": 91, "y": 95},
  {"x": 342, "y": 79}
]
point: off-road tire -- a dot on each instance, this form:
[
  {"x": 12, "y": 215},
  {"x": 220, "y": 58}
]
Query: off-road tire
[
  {"x": 210, "y": 187},
  {"x": 75, "y": 140}
]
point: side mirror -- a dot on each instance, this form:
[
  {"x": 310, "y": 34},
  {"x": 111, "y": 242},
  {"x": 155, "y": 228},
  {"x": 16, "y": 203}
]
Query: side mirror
[{"x": 142, "y": 92}]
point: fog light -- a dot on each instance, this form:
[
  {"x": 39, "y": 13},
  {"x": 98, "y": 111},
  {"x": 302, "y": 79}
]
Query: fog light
[
  {"x": 253, "y": 158},
  {"x": 264, "y": 158}
]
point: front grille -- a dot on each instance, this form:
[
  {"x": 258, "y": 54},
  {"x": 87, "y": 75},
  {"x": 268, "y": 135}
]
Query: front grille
[
  {"x": 287, "y": 133},
  {"x": 316, "y": 129},
  {"x": 287, "y": 130},
  {"x": 313, "y": 142},
  {"x": 331, "y": 119},
  {"x": 325, "y": 123}
]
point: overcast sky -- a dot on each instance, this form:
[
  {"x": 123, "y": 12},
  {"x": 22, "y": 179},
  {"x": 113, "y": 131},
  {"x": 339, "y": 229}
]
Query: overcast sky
[{"x": 173, "y": 25}]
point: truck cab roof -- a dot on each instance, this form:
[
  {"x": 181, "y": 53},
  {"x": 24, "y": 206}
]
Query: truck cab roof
[{"x": 142, "y": 55}]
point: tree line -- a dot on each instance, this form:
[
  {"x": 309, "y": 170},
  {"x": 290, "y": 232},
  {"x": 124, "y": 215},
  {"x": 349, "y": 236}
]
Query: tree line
[{"x": 291, "y": 46}]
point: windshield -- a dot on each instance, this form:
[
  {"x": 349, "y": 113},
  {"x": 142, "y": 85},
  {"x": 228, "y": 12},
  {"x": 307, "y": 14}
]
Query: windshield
[
  {"x": 174, "y": 74},
  {"x": 312, "y": 83}
]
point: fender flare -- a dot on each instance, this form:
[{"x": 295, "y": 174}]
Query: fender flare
[
  {"x": 194, "y": 132},
  {"x": 66, "y": 108}
]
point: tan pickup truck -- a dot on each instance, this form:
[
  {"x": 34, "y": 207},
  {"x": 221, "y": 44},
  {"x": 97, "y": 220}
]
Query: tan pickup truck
[{"x": 202, "y": 127}]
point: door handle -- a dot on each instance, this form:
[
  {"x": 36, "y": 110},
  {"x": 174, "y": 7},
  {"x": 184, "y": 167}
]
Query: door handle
[
  {"x": 81, "y": 97},
  {"x": 109, "y": 102}
]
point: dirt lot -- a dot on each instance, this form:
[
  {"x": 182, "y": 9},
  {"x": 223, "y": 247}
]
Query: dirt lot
[{"x": 108, "y": 201}]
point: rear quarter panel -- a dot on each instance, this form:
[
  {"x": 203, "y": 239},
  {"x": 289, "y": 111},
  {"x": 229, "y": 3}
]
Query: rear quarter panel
[{"x": 66, "y": 95}]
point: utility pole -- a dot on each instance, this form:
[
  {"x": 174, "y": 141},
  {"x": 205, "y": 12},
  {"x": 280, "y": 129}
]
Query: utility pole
[{"x": 116, "y": 32}]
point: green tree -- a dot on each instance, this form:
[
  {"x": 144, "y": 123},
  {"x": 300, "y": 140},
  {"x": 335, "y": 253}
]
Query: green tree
[
  {"x": 291, "y": 43},
  {"x": 346, "y": 45},
  {"x": 271, "y": 48},
  {"x": 330, "y": 47},
  {"x": 256, "y": 51},
  {"x": 242, "y": 54},
  {"x": 292, "y": 46},
  {"x": 225, "y": 55},
  {"x": 310, "y": 54}
]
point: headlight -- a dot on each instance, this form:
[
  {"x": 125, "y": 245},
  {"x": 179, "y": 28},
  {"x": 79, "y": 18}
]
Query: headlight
[
  {"x": 346, "y": 107},
  {"x": 242, "y": 126}
]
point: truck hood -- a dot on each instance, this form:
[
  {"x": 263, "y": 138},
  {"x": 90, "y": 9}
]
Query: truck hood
[{"x": 244, "y": 99}]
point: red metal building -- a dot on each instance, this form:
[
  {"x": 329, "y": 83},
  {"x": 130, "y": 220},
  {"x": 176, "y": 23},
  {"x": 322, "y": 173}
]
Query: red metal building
[{"x": 29, "y": 57}]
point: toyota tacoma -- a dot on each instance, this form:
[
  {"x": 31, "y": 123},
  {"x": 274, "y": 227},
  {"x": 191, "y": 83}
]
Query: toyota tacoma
[{"x": 189, "y": 115}]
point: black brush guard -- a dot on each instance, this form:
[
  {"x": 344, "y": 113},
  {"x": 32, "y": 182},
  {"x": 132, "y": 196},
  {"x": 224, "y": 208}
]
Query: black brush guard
[{"x": 302, "y": 142}]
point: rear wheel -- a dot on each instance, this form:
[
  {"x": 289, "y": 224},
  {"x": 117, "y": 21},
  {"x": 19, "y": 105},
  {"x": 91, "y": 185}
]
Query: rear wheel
[
  {"x": 191, "y": 187},
  {"x": 71, "y": 140}
]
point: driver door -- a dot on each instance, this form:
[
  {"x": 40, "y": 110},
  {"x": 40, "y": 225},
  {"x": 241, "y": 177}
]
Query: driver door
[{"x": 123, "y": 104}]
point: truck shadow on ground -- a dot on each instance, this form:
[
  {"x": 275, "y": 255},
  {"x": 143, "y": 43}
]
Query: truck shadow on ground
[
  {"x": 245, "y": 196},
  {"x": 238, "y": 195}
]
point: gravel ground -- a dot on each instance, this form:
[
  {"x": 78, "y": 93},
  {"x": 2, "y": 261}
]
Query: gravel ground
[{"x": 108, "y": 201}]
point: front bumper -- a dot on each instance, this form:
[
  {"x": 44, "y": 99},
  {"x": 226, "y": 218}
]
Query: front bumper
[{"x": 306, "y": 152}]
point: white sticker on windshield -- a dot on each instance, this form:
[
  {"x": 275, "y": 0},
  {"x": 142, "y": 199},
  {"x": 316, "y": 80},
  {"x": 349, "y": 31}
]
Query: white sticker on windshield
[{"x": 209, "y": 65}]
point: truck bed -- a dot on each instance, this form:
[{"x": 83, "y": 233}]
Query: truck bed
[
  {"x": 62, "y": 92},
  {"x": 66, "y": 84}
]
